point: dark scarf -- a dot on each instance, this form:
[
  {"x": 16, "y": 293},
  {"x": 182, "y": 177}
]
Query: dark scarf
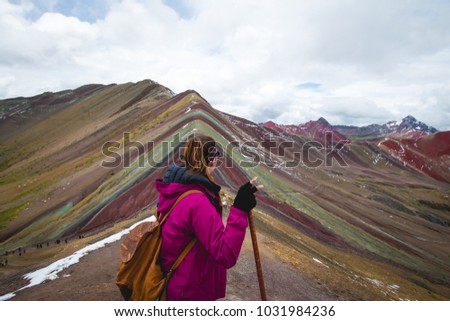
[{"x": 179, "y": 174}]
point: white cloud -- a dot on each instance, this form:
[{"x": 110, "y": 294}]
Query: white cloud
[{"x": 374, "y": 60}]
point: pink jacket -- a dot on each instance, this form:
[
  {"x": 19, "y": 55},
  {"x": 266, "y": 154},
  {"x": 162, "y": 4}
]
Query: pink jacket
[{"x": 202, "y": 275}]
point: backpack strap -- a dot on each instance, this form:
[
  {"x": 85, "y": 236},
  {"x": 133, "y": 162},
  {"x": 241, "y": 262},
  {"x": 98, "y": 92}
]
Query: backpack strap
[
  {"x": 163, "y": 295},
  {"x": 191, "y": 244},
  {"x": 192, "y": 191},
  {"x": 181, "y": 257}
]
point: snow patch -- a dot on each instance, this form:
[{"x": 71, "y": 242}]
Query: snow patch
[
  {"x": 51, "y": 272},
  {"x": 393, "y": 287},
  {"x": 320, "y": 262},
  {"x": 375, "y": 282},
  {"x": 377, "y": 158}
]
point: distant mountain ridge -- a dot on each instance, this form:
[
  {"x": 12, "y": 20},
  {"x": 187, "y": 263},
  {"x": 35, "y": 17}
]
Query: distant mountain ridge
[
  {"x": 408, "y": 127},
  {"x": 410, "y": 141},
  {"x": 15, "y": 113},
  {"x": 316, "y": 130}
]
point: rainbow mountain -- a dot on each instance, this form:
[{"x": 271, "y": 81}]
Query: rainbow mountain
[{"x": 363, "y": 218}]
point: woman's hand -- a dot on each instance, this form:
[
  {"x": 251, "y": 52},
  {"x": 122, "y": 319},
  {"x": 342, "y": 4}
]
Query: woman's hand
[{"x": 245, "y": 198}]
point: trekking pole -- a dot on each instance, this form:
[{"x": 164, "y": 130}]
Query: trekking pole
[{"x": 262, "y": 287}]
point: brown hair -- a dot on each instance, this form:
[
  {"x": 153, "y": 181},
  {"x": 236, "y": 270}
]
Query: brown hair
[{"x": 199, "y": 151}]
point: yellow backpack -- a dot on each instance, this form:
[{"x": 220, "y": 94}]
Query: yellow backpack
[{"x": 140, "y": 276}]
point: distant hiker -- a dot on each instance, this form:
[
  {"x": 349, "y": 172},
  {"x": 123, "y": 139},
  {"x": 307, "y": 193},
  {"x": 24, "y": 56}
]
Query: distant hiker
[
  {"x": 48, "y": 244},
  {"x": 202, "y": 273}
]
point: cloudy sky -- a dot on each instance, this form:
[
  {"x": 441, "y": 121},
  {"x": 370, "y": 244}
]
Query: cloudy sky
[{"x": 351, "y": 61}]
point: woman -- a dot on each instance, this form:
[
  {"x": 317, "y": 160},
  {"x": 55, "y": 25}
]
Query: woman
[{"x": 202, "y": 273}]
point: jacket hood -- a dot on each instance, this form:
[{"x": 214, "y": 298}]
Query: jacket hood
[{"x": 178, "y": 180}]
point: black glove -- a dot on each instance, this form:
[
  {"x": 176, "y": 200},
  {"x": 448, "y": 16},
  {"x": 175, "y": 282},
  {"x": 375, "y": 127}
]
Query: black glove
[{"x": 245, "y": 199}]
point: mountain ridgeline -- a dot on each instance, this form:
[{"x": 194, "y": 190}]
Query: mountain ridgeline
[
  {"x": 356, "y": 207},
  {"x": 407, "y": 127}
]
